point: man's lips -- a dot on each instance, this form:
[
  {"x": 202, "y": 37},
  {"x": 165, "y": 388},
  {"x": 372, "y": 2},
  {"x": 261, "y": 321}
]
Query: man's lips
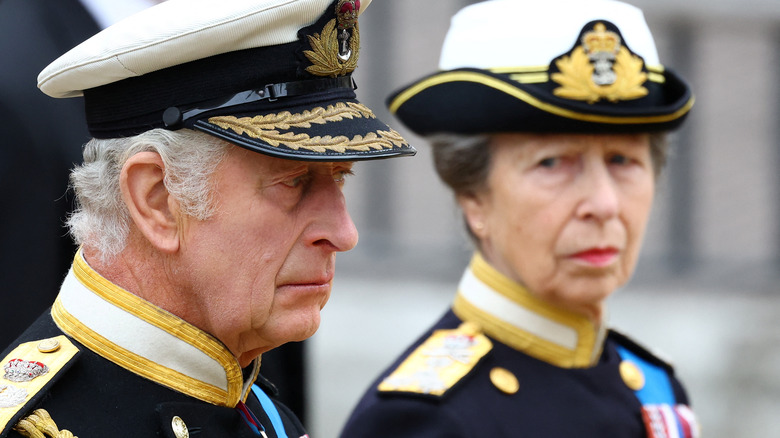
[
  {"x": 319, "y": 281},
  {"x": 598, "y": 257}
]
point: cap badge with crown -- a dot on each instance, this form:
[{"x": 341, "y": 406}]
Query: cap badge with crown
[
  {"x": 334, "y": 51},
  {"x": 600, "y": 68}
]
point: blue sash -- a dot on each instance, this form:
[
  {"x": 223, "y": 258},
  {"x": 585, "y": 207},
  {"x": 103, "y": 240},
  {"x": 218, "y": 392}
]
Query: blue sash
[
  {"x": 662, "y": 415},
  {"x": 657, "y": 389},
  {"x": 271, "y": 411}
]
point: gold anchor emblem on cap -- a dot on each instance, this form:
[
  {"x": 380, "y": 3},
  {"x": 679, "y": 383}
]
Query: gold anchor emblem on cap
[
  {"x": 504, "y": 380},
  {"x": 179, "y": 427},
  {"x": 632, "y": 375}
]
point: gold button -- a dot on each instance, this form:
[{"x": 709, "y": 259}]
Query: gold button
[
  {"x": 504, "y": 380},
  {"x": 469, "y": 328},
  {"x": 632, "y": 375},
  {"x": 48, "y": 345},
  {"x": 179, "y": 428}
]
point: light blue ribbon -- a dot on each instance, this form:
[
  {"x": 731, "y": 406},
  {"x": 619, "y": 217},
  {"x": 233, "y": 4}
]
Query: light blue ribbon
[
  {"x": 657, "y": 389},
  {"x": 271, "y": 411}
]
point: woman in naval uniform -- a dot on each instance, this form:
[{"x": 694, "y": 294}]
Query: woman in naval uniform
[{"x": 548, "y": 122}]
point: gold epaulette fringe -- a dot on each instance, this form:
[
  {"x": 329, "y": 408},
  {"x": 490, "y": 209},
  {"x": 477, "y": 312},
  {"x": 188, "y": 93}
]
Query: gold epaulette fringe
[{"x": 40, "y": 425}]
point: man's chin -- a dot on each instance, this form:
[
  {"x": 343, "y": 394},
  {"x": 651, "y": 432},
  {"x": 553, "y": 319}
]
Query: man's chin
[{"x": 300, "y": 327}]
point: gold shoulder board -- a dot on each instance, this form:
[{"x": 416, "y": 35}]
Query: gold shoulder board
[
  {"x": 26, "y": 371},
  {"x": 440, "y": 362}
]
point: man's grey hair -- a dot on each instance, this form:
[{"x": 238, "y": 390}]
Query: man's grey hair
[{"x": 101, "y": 219}]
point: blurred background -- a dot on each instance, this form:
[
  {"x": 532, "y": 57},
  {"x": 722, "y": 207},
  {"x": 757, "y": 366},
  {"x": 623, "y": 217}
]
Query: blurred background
[{"x": 706, "y": 292}]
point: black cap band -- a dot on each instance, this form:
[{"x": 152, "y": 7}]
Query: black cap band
[
  {"x": 132, "y": 106},
  {"x": 176, "y": 118}
]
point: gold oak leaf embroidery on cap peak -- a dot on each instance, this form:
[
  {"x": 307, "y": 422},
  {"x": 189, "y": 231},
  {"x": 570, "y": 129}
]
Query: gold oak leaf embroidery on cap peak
[{"x": 267, "y": 127}]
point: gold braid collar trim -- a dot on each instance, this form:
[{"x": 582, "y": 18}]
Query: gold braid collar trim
[
  {"x": 40, "y": 425},
  {"x": 151, "y": 314},
  {"x": 509, "y": 313},
  {"x": 268, "y": 128}
]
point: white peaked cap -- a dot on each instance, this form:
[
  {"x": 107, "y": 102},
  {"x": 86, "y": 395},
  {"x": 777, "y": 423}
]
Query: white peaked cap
[
  {"x": 175, "y": 32},
  {"x": 272, "y": 76},
  {"x": 512, "y": 33},
  {"x": 577, "y": 66}
]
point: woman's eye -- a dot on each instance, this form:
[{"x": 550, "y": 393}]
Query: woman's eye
[
  {"x": 619, "y": 159},
  {"x": 549, "y": 162}
]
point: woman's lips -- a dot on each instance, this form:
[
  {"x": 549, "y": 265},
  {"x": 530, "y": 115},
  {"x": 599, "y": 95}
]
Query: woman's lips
[{"x": 598, "y": 257}]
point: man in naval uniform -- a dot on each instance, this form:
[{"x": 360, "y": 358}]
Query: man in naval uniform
[{"x": 210, "y": 210}]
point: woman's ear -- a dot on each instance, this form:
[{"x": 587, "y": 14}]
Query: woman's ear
[
  {"x": 152, "y": 209},
  {"x": 474, "y": 210}
]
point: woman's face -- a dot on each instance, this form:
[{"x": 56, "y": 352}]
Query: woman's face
[{"x": 565, "y": 214}]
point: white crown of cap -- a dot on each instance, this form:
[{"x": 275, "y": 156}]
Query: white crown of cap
[
  {"x": 520, "y": 33},
  {"x": 176, "y": 32}
]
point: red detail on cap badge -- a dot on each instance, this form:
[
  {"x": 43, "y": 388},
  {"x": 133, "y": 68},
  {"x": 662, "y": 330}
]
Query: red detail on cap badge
[{"x": 347, "y": 13}]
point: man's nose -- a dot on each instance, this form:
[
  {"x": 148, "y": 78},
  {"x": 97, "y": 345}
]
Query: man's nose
[{"x": 333, "y": 226}]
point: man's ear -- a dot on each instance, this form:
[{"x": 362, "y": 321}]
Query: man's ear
[
  {"x": 153, "y": 210},
  {"x": 474, "y": 210}
]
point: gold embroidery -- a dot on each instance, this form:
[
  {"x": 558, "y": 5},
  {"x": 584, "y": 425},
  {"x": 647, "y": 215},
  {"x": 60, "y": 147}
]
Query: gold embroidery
[
  {"x": 576, "y": 82},
  {"x": 318, "y": 115},
  {"x": 521, "y": 94},
  {"x": 440, "y": 362},
  {"x": 530, "y": 78},
  {"x": 520, "y": 334},
  {"x": 325, "y": 52},
  {"x": 540, "y": 75},
  {"x": 267, "y": 128},
  {"x": 227, "y": 395},
  {"x": 18, "y": 395},
  {"x": 40, "y": 425},
  {"x": 615, "y": 74}
]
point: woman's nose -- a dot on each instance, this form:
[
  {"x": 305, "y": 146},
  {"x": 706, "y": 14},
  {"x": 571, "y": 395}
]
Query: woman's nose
[{"x": 600, "y": 196}]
